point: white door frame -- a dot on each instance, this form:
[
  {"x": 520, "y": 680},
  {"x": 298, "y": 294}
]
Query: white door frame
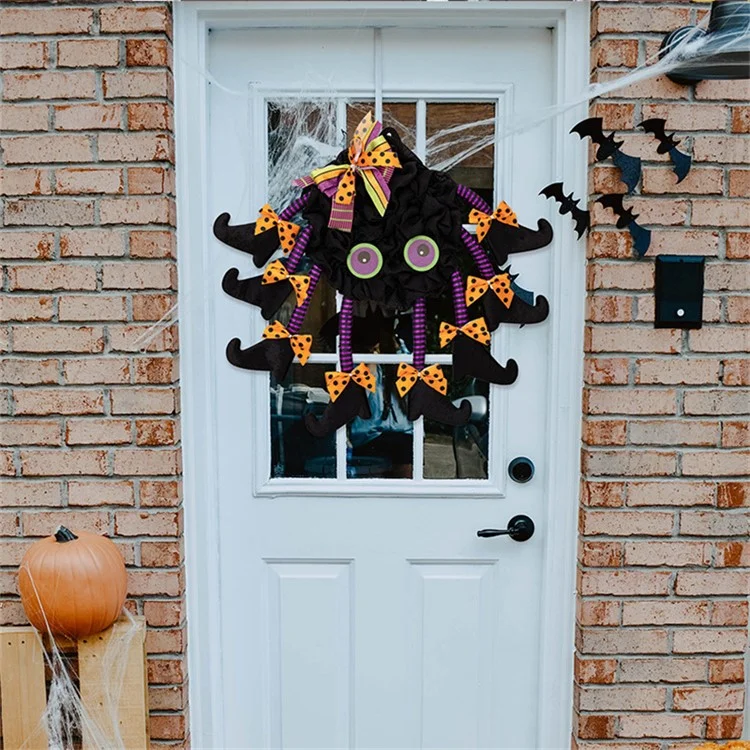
[{"x": 193, "y": 20}]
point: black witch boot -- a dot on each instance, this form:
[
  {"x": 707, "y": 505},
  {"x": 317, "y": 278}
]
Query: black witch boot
[
  {"x": 524, "y": 307},
  {"x": 272, "y": 355},
  {"x": 473, "y": 358},
  {"x": 242, "y": 237},
  {"x": 351, "y": 403},
  {"x": 424, "y": 401},
  {"x": 503, "y": 239},
  {"x": 268, "y": 297}
]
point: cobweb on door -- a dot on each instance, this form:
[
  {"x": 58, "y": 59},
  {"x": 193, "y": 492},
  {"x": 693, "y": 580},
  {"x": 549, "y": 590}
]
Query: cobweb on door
[{"x": 305, "y": 133}]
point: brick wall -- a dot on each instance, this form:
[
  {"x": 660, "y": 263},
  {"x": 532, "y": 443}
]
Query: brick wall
[
  {"x": 663, "y": 554},
  {"x": 88, "y": 252}
]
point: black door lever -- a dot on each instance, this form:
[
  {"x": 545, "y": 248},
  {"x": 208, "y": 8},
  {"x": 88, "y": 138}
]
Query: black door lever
[{"x": 520, "y": 528}]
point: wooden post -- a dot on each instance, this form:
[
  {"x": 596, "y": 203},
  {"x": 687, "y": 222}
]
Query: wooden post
[
  {"x": 128, "y": 702},
  {"x": 22, "y": 689}
]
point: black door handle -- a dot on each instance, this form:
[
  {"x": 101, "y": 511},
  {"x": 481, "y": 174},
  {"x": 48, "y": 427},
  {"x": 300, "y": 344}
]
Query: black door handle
[{"x": 520, "y": 528}]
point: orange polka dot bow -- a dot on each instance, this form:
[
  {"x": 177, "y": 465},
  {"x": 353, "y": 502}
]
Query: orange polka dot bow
[
  {"x": 433, "y": 375},
  {"x": 372, "y": 158},
  {"x": 503, "y": 213},
  {"x": 337, "y": 381},
  {"x": 500, "y": 285},
  {"x": 277, "y": 271},
  {"x": 288, "y": 231},
  {"x": 475, "y": 329},
  {"x": 301, "y": 343}
]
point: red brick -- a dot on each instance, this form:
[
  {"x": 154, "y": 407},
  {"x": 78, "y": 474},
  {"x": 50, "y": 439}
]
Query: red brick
[
  {"x": 629, "y": 401},
  {"x": 601, "y": 554},
  {"x": 49, "y": 85},
  {"x": 624, "y": 583},
  {"x": 45, "y": 21},
  {"x": 26, "y": 308},
  {"x": 58, "y": 338},
  {"x": 48, "y": 212},
  {"x": 714, "y": 523},
  {"x": 665, "y": 613},
  {"x": 142, "y": 400},
  {"x": 151, "y": 244},
  {"x": 702, "y": 181},
  {"x": 24, "y": 182},
  {"x": 23, "y": 55},
  {"x": 735, "y": 434},
  {"x": 29, "y": 432},
  {"x": 155, "y": 432},
  {"x": 716, "y": 463},
  {"x": 669, "y": 669},
  {"x": 153, "y": 583},
  {"x": 163, "y": 641},
  {"x": 87, "y": 116},
  {"x": 92, "y": 243},
  {"x": 726, "y": 670},
  {"x": 736, "y": 372},
  {"x": 733, "y": 495},
  {"x": 719, "y": 401},
  {"x": 733, "y": 554},
  {"x": 595, "y": 671},
  {"x": 741, "y": 119},
  {"x": 149, "y": 116},
  {"x": 45, "y": 401},
  {"x": 739, "y": 183},
  {"x": 632, "y": 339},
  {"x": 97, "y": 431},
  {"x": 624, "y": 641},
  {"x": 601, "y": 371},
  {"x": 623, "y": 275},
  {"x": 146, "y": 180},
  {"x": 135, "y": 147},
  {"x": 660, "y": 725},
  {"x": 722, "y": 212},
  {"x": 87, "y": 53},
  {"x": 152, "y": 306},
  {"x": 671, "y": 493},
  {"x": 673, "y": 432},
  {"x": 147, "y": 52},
  {"x": 685, "y": 242},
  {"x": 132, "y": 19},
  {"x": 627, "y": 523},
  {"x": 609, "y": 244},
  {"x": 719, "y": 89},
  {"x": 730, "y": 613},
  {"x": 723, "y": 727},
  {"x": 21, "y": 492},
  {"x": 615, "y": 53},
  {"x": 29, "y": 371},
  {"x": 138, "y": 338},
  {"x": 163, "y": 613},
  {"x": 615, "y": 116},
  {"x": 93, "y": 493},
  {"x": 141, "y": 210},
  {"x": 158, "y": 493},
  {"x": 709, "y": 641},
  {"x": 604, "y": 432},
  {"x": 92, "y": 307},
  {"x": 726, "y": 277},
  {"x": 709, "y": 698},
  {"x": 24, "y": 117},
  {"x": 672, "y": 554},
  {"x": 609, "y": 308},
  {"x": 53, "y": 463},
  {"x": 137, "y": 275},
  {"x": 142, "y": 523},
  {"x": 665, "y": 371},
  {"x": 161, "y": 554},
  {"x": 692, "y": 116},
  {"x": 89, "y": 180},
  {"x": 167, "y": 726},
  {"x": 136, "y": 84},
  {"x": 738, "y": 309},
  {"x": 599, "y": 613},
  {"x": 166, "y": 671},
  {"x": 95, "y": 371},
  {"x": 629, "y": 463},
  {"x": 622, "y": 698},
  {"x": 596, "y": 726}
]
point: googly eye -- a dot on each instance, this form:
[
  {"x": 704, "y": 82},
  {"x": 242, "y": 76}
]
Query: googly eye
[
  {"x": 364, "y": 260},
  {"x": 421, "y": 253}
]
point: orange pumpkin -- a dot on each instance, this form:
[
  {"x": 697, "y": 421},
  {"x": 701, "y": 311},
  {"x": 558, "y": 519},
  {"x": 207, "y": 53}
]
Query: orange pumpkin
[{"x": 73, "y": 585}]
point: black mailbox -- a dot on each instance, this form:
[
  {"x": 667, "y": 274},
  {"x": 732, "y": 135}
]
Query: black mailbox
[{"x": 679, "y": 291}]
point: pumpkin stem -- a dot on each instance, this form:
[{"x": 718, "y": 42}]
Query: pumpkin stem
[{"x": 64, "y": 535}]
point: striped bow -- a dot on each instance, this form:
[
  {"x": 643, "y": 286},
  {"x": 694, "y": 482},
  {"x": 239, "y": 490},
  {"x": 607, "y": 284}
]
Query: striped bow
[
  {"x": 337, "y": 381},
  {"x": 277, "y": 271},
  {"x": 287, "y": 230},
  {"x": 500, "y": 285},
  {"x": 432, "y": 375},
  {"x": 301, "y": 343},
  {"x": 475, "y": 329},
  {"x": 372, "y": 158},
  {"x": 503, "y": 213}
]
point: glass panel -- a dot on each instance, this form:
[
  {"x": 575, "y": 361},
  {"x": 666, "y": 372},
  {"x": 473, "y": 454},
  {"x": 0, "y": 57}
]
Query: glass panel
[
  {"x": 461, "y": 141},
  {"x": 381, "y": 446},
  {"x": 294, "y": 451},
  {"x": 459, "y": 452},
  {"x": 377, "y": 330}
]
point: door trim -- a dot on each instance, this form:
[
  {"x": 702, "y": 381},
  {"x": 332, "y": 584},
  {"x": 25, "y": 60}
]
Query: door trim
[{"x": 193, "y": 21}]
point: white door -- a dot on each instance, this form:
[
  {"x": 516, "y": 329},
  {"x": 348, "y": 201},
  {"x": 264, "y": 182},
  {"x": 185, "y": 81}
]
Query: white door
[{"x": 357, "y": 605}]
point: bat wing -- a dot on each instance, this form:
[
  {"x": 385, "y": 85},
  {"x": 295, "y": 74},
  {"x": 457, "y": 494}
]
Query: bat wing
[
  {"x": 591, "y": 128},
  {"x": 641, "y": 238},
  {"x": 680, "y": 163},
  {"x": 614, "y": 201},
  {"x": 655, "y": 126},
  {"x": 582, "y": 221},
  {"x": 554, "y": 190},
  {"x": 630, "y": 169}
]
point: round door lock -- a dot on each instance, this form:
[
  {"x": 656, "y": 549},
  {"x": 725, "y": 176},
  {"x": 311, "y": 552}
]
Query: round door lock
[{"x": 521, "y": 469}]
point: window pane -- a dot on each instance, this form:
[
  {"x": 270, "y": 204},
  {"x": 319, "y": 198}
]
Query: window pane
[
  {"x": 459, "y": 452},
  {"x": 294, "y": 451},
  {"x": 460, "y": 140},
  {"x": 402, "y": 116},
  {"x": 381, "y": 446}
]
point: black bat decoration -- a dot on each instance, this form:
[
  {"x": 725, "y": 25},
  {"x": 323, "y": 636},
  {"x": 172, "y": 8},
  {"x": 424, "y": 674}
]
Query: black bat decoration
[
  {"x": 568, "y": 205},
  {"x": 668, "y": 145},
  {"x": 629, "y": 166},
  {"x": 626, "y": 218}
]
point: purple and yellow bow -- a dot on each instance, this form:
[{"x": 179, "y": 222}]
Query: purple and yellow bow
[
  {"x": 500, "y": 285},
  {"x": 287, "y": 230},
  {"x": 372, "y": 158},
  {"x": 301, "y": 343},
  {"x": 277, "y": 271},
  {"x": 361, "y": 375},
  {"x": 433, "y": 375},
  {"x": 475, "y": 329},
  {"x": 503, "y": 213}
]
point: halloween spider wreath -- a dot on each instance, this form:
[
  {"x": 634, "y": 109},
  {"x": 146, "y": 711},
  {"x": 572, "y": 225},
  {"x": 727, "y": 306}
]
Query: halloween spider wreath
[{"x": 383, "y": 228}]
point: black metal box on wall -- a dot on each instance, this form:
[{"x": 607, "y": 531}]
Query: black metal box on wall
[{"x": 679, "y": 291}]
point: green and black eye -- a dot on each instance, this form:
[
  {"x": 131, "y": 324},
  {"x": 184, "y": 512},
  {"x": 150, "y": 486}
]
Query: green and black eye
[
  {"x": 364, "y": 261},
  {"x": 421, "y": 253}
]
